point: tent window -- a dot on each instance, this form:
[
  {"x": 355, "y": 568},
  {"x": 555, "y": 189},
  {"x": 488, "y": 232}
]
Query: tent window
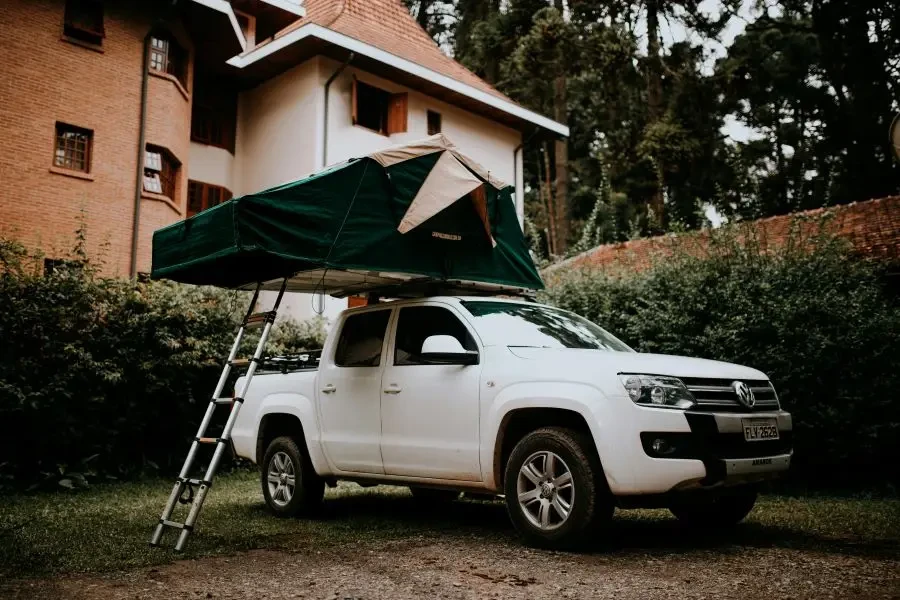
[
  {"x": 379, "y": 110},
  {"x": 434, "y": 122}
]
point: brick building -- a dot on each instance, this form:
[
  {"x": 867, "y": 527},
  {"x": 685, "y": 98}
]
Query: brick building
[
  {"x": 872, "y": 229},
  {"x": 137, "y": 113}
]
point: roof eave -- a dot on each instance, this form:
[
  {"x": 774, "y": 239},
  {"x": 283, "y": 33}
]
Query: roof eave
[
  {"x": 312, "y": 30},
  {"x": 212, "y": 15}
]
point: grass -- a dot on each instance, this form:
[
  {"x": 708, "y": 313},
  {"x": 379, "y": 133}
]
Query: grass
[{"x": 107, "y": 528}]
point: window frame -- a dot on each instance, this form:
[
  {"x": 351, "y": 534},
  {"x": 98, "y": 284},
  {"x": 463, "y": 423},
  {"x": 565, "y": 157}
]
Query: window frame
[
  {"x": 88, "y": 149},
  {"x": 214, "y": 108},
  {"x": 385, "y": 348},
  {"x": 205, "y": 189},
  {"x": 392, "y": 350},
  {"x": 75, "y": 29},
  {"x": 174, "y": 58},
  {"x": 168, "y": 163},
  {"x": 440, "y": 121},
  {"x": 394, "y": 114}
]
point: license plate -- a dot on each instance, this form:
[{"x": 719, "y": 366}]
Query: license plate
[{"x": 757, "y": 430}]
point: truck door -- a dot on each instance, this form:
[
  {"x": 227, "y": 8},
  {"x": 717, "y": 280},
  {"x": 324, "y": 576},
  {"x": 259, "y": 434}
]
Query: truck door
[
  {"x": 429, "y": 413},
  {"x": 350, "y": 393}
]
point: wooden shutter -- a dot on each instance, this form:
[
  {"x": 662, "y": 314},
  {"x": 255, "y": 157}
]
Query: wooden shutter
[
  {"x": 353, "y": 109},
  {"x": 397, "y": 113}
]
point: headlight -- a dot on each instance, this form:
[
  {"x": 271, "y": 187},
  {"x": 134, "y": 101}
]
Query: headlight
[{"x": 657, "y": 390}]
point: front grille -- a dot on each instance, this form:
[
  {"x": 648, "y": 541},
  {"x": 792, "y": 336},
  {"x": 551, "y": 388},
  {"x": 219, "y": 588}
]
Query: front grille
[{"x": 718, "y": 395}]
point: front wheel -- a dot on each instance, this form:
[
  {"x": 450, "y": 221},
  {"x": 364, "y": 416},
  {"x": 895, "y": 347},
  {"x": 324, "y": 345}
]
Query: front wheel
[
  {"x": 722, "y": 509},
  {"x": 290, "y": 485},
  {"x": 556, "y": 494}
]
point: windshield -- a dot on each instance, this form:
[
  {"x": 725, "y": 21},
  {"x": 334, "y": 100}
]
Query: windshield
[{"x": 538, "y": 326}]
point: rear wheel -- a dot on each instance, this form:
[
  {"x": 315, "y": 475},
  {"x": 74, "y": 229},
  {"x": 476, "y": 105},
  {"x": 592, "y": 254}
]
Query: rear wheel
[
  {"x": 556, "y": 494},
  {"x": 721, "y": 509},
  {"x": 290, "y": 485}
]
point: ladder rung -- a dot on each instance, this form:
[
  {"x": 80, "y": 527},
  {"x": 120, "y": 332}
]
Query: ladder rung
[
  {"x": 175, "y": 524},
  {"x": 242, "y": 362},
  {"x": 208, "y": 440},
  {"x": 257, "y": 319},
  {"x": 226, "y": 400},
  {"x": 196, "y": 481}
]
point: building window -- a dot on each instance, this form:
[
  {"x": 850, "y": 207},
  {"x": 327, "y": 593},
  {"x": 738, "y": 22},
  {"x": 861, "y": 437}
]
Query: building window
[
  {"x": 247, "y": 23},
  {"x": 378, "y": 110},
  {"x": 166, "y": 56},
  {"x": 214, "y": 115},
  {"x": 160, "y": 172},
  {"x": 84, "y": 20},
  {"x": 434, "y": 122},
  {"x": 73, "y": 148},
  {"x": 205, "y": 195}
]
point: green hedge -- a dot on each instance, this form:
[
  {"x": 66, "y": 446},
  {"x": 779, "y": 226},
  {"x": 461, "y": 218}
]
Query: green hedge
[
  {"x": 814, "y": 318},
  {"x": 106, "y": 377}
]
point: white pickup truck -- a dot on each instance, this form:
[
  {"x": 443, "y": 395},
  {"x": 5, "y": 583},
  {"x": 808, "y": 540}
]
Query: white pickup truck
[{"x": 512, "y": 398}]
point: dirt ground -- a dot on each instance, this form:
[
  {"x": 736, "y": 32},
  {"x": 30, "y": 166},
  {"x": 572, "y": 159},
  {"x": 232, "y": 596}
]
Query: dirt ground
[{"x": 649, "y": 559}]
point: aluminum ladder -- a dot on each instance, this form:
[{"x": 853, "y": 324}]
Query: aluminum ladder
[{"x": 184, "y": 482}]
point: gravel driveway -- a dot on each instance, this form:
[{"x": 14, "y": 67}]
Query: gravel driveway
[{"x": 649, "y": 558}]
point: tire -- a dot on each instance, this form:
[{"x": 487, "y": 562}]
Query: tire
[
  {"x": 590, "y": 504},
  {"x": 431, "y": 496},
  {"x": 723, "y": 509},
  {"x": 282, "y": 458}
]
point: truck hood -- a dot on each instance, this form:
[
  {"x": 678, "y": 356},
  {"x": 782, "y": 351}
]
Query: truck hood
[{"x": 635, "y": 362}]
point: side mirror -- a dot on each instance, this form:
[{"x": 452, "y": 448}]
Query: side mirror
[{"x": 446, "y": 350}]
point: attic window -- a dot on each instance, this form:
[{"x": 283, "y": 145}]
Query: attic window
[
  {"x": 379, "y": 110},
  {"x": 434, "y": 122}
]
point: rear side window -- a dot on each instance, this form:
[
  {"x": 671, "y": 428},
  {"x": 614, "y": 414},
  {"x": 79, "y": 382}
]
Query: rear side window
[
  {"x": 417, "y": 323},
  {"x": 361, "y": 340}
]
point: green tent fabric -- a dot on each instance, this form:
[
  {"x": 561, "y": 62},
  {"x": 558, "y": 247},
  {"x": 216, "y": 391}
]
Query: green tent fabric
[{"x": 339, "y": 230}]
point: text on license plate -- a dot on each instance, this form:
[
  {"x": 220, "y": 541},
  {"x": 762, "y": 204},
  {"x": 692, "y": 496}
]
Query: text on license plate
[{"x": 756, "y": 430}]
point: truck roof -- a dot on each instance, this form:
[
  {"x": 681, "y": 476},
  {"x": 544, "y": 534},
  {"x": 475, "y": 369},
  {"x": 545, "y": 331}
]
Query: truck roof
[{"x": 443, "y": 298}]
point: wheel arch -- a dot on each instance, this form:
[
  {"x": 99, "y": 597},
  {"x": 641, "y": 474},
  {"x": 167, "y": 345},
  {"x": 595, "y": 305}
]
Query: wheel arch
[{"x": 522, "y": 409}]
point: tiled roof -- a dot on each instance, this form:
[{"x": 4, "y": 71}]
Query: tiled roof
[
  {"x": 388, "y": 25},
  {"x": 872, "y": 228}
]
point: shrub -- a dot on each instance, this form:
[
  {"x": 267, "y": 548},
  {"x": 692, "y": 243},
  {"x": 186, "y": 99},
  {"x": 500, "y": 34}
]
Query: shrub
[
  {"x": 107, "y": 376},
  {"x": 809, "y": 314}
]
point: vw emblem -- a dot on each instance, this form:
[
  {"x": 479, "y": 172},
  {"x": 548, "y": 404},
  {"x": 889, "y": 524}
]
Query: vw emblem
[{"x": 744, "y": 394}]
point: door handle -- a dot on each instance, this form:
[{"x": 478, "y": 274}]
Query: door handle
[
  {"x": 392, "y": 389},
  {"x": 329, "y": 389}
]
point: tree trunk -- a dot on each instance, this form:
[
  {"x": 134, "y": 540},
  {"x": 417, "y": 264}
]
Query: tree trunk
[
  {"x": 561, "y": 155},
  {"x": 549, "y": 204},
  {"x": 655, "y": 99}
]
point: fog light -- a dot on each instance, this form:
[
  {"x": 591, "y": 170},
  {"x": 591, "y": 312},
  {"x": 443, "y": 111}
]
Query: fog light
[{"x": 661, "y": 446}]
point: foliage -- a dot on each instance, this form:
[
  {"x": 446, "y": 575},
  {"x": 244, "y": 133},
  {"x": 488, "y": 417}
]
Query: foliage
[
  {"x": 790, "y": 114},
  {"x": 809, "y": 315},
  {"x": 103, "y": 376}
]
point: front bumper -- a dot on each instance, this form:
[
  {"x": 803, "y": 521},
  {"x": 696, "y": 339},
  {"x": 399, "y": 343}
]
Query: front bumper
[{"x": 705, "y": 450}]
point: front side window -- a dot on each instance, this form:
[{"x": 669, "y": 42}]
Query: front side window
[
  {"x": 73, "y": 148},
  {"x": 362, "y": 337},
  {"x": 534, "y": 325},
  {"x": 417, "y": 323},
  {"x": 166, "y": 56}
]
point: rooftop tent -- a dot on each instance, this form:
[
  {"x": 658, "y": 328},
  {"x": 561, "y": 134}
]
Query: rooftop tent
[{"x": 409, "y": 215}]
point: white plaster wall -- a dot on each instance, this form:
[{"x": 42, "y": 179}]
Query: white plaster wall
[
  {"x": 279, "y": 123},
  {"x": 486, "y": 141},
  {"x": 211, "y": 164}
]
